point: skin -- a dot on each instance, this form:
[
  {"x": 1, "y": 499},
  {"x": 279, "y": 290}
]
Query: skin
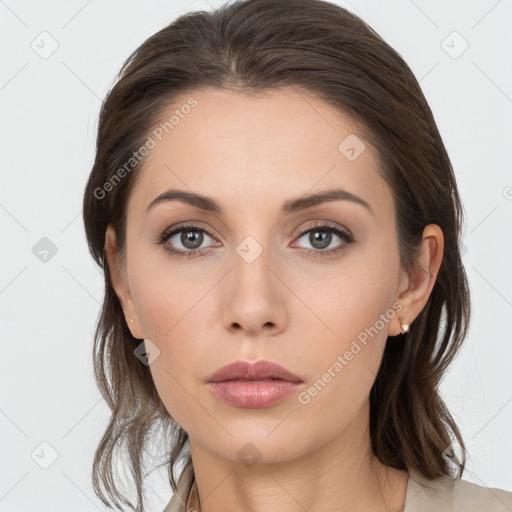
[{"x": 251, "y": 153}]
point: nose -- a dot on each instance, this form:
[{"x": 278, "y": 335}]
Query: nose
[{"x": 254, "y": 295}]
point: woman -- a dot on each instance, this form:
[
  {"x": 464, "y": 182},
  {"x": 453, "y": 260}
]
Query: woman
[{"x": 278, "y": 224}]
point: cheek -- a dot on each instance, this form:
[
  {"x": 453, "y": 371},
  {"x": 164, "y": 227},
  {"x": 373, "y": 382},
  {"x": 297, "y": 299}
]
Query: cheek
[
  {"x": 355, "y": 310},
  {"x": 168, "y": 308},
  {"x": 166, "y": 297},
  {"x": 348, "y": 301},
  {"x": 341, "y": 373}
]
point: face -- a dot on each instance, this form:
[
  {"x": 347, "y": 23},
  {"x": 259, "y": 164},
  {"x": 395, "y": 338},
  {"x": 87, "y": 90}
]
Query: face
[{"x": 314, "y": 287}]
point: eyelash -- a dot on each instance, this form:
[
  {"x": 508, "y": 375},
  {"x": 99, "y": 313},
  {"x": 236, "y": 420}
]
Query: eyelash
[{"x": 346, "y": 236}]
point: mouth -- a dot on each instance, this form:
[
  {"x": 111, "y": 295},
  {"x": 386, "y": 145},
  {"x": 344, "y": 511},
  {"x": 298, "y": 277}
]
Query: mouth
[{"x": 253, "y": 385}]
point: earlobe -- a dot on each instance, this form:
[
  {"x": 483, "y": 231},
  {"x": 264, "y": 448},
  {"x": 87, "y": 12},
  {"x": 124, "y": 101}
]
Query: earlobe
[
  {"x": 119, "y": 282},
  {"x": 421, "y": 280}
]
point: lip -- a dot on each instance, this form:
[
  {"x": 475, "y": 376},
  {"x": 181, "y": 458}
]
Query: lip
[
  {"x": 260, "y": 370},
  {"x": 253, "y": 385}
]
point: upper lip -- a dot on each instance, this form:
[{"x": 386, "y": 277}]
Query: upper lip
[{"x": 260, "y": 370}]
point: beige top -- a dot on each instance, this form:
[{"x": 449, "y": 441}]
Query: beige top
[{"x": 441, "y": 495}]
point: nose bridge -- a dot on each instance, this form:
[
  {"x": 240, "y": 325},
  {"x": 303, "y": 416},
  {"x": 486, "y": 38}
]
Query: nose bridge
[
  {"x": 254, "y": 298},
  {"x": 251, "y": 263}
]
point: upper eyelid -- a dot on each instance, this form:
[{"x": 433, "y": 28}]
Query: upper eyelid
[{"x": 185, "y": 227}]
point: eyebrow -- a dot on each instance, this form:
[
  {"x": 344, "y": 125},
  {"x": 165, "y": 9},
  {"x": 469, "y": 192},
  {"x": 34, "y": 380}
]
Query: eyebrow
[{"x": 289, "y": 206}]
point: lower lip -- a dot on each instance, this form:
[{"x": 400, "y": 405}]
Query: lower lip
[{"x": 253, "y": 394}]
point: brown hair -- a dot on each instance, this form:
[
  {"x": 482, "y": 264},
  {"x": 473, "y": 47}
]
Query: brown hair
[{"x": 252, "y": 46}]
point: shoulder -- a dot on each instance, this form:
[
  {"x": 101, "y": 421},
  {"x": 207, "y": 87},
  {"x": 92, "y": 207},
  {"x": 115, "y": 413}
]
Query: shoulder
[
  {"x": 179, "y": 501},
  {"x": 445, "y": 494}
]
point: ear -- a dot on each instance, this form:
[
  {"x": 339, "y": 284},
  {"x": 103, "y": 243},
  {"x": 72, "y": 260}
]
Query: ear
[
  {"x": 415, "y": 288},
  {"x": 120, "y": 283}
]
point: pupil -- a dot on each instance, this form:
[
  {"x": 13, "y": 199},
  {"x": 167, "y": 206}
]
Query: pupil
[
  {"x": 191, "y": 239},
  {"x": 324, "y": 239}
]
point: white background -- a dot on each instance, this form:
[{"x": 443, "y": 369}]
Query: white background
[{"x": 49, "y": 110}]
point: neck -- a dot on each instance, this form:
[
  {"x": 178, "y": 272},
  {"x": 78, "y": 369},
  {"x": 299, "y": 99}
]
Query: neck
[{"x": 341, "y": 475}]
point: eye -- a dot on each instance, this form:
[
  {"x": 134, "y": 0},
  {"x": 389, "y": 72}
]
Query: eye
[
  {"x": 184, "y": 240},
  {"x": 187, "y": 240},
  {"x": 322, "y": 238}
]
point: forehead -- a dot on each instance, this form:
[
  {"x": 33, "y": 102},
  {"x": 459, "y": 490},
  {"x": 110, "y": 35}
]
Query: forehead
[{"x": 239, "y": 147}]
